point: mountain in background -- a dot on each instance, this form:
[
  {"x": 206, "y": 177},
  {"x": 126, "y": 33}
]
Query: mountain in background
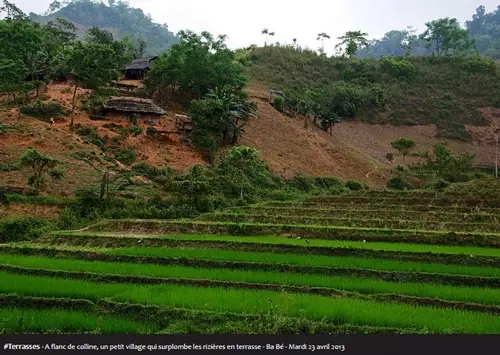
[{"x": 117, "y": 17}]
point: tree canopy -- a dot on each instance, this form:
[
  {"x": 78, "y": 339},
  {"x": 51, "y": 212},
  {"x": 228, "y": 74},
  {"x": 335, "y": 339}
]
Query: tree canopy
[{"x": 198, "y": 64}]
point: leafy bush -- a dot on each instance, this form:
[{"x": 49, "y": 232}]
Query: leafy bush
[
  {"x": 399, "y": 182},
  {"x": 354, "y": 185},
  {"x": 163, "y": 175},
  {"x": 91, "y": 136},
  {"x": 132, "y": 130},
  {"x": 43, "y": 111},
  {"x": 440, "y": 184},
  {"x": 303, "y": 183},
  {"x": 278, "y": 103},
  {"x": 126, "y": 156},
  {"x": 398, "y": 67},
  {"x": 23, "y": 228},
  {"x": 479, "y": 65},
  {"x": 328, "y": 182},
  {"x": 5, "y": 168}
]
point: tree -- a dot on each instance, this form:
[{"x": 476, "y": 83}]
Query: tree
[
  {"x": 93, "y": 66},
  {"x": 404, "y": 146},
  {"x": 195, "y": 66},
  {"x": 12, "y": 75},
  {"x": 352, "y": 42},
  {"x": 321, "y": 37},
  {"x": 265, "y": 32},
  {"x": 447, "y": 37},
  {"x": 268, "y": 34},
  {"x": 42, "y": 166},
  {"x": 220, "y": 117}
]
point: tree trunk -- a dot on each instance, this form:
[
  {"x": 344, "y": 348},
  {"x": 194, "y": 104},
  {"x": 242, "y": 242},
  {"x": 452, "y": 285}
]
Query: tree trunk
[
  {"x": 71, "y": 126},
  {"x": 17, "y": 105}
]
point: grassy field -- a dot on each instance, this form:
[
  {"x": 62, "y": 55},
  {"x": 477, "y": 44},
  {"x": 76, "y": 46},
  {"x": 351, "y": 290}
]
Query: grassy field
[
  {"x": 351, "y": 284},
  {"x": 309, "y": 260},
  {"x": 415, "y": 248},
  {"x": 18, "y": 320},
  {"x": 335, "y": 310},
  {"x": 302, "y": 269}
]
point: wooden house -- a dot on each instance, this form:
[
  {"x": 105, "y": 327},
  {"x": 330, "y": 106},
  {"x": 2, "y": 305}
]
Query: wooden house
[
  {"x": 144, "y": 110},
  {"x": 138, "y": 68}
]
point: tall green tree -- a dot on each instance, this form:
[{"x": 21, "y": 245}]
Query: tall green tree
[
  {"x": 12, "y": 75},
  {"x": 219, "y": 118},
  {"x": 352, "y": 42},
  {"x": 93, "y": 65},
  {"x": 447, "y": 37},
  {"x": 195, "y": 66}
]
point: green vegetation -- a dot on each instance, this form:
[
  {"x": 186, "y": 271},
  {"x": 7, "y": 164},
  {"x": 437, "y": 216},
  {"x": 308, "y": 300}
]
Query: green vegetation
[
  {"x": 317, "y": 254},
  {"x": 335, "y": 310},
  {"x": 404, "y": 146},
  {"x": 129, "y": 23},
  {"x": 415, "y": 248},
  {"x": 30, "y": 321},
  {"x": 444, "y": 91},
  {"x": 361, "y": 285},
  {"x": 43, "y": 111},
  {"x": 324, "y": 261},
  {"x": 42, "y": 166}
]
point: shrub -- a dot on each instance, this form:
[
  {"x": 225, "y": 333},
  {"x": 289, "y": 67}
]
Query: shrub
[
  {"x": 399, "y": 182},
  {"x": 91, "y": 136},
  {"x": 154, "y": 173},
  {"x": 440, "y": 184},
  {"x": 279, "y": 103},
  {"x": 354, "y": 185},
  {"x": 398, "y": 67},
  {"x": 303, "y": 183},
  {"x": 5, "y": 168},
  {"x": 43, "y": 111},
  {"x": 326, "y": 182},
  {"x": 479, "y": 65},
  {"x": 126, "y": 156},
  {"x": 23, "y": 228},
  {"x": 132, "y": 130}
]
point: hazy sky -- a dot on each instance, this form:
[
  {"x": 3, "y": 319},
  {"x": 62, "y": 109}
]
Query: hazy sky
[{"x": 243, "y": 21}]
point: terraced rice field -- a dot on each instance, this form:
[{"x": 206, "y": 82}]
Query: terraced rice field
[{"x": 374, "y": 263}]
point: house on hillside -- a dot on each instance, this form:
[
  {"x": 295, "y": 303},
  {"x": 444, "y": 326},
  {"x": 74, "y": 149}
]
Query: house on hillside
[
  {"x": 138, "y": 68},
  {"x": 143, "y": 109}
]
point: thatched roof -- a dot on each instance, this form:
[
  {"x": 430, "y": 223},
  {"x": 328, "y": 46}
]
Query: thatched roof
[
  {"x": 132, "y": 105},
  {"x": 141, "y": 63}
]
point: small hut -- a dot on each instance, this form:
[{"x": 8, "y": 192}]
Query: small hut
[
  {"x": 138, "y": 68},
  {"x": 144, "y": 109}
]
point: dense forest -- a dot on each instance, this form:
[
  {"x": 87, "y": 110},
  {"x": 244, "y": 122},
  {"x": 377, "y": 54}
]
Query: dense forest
[
  {"x": 115, "y": 16},
  {"x": 483, "y": 32}
]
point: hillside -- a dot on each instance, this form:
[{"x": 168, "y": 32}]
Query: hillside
[
  {"x": 74, "y": 150},
  {"x": 119, "y": 18},
  {"x": 447, "y": 92}
]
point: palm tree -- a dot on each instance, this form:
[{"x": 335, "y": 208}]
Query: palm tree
[
  {"x": 322, "y": 36},
  {"x": 352, "y": 42},
  {"x": 265, "y": 31},
  {"x": 271, "y": 34}
]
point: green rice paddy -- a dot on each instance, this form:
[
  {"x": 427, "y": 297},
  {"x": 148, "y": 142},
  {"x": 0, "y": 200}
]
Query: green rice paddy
[
  {"x": 335, "y": 310},
  {"x": 310, "y": 260},
  {"x": 184, "y": 267},
  {"x": 352, "y": 284}
]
